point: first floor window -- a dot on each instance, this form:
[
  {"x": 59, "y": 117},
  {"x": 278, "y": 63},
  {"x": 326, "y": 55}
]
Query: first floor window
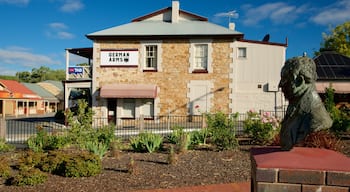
[
  {"x": 201, "y": 56},
  {"x": 151, "y": 56}
]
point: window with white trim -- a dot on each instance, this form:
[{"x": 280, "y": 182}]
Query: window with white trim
[
  {"x": 200, "y": 56},
  {"x": 151, "y": 55},
  {"x": 242, "y": 52}
]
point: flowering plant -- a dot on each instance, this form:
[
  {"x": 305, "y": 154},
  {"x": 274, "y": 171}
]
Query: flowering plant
[{"x": 263, "y": 127}]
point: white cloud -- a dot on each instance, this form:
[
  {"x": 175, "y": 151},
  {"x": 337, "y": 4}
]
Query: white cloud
[
  {"x": 58, "y": 25},
  {"x": 21, "y": 57},
  {"x": 57, "y": 30},
  {"x": 277, "y": 13},
  {"x": 72, "y": 6},
  {"x": 336, "y": 13},
  {"x": 16, "y": 2}
]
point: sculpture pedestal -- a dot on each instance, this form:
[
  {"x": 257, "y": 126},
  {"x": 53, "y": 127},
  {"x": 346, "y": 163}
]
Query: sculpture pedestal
[{"x": 299, "y": 170}]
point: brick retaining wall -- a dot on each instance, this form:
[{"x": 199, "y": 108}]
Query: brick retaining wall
[{"x": 299, "y": 170}]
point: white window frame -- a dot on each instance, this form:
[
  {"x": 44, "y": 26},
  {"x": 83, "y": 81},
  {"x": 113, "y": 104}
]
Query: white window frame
[
  {"x": 144, "y": 45},
  {"x": 193, "y": 56},
  {"x": 242, "y": 52},
  {"x": 201, "y": 57}
]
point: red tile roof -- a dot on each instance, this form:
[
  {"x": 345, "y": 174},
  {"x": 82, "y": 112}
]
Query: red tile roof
[{"x": 17, "y": 88}]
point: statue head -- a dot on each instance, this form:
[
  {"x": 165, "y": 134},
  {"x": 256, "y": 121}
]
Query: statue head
[{"x": 297, "y": 76}]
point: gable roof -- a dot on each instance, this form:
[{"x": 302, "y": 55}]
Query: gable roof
[
  {"x": 57, "y": 92},
  {"x": 159, "y": 24},
  {"x": 331, "y": 65},
  {"x": 18, "y": 89},
  {"x": 41, "y": 91},
  {"x": 166, "y": 11}
]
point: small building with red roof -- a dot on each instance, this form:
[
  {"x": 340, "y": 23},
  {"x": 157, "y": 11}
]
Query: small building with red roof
[{"x": 16, "y": 99}]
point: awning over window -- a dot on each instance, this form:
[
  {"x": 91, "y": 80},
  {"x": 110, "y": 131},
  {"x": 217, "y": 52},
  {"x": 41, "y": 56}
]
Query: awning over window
[
  {"x": 128, "y": 91},
  {"x": 339, "y": 87}
]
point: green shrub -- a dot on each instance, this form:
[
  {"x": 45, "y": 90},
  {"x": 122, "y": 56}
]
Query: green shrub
[
  {"x": 341, "y": 119},
  {"x": 83, "y": 165},
  {"x": 146, "y": 142},
  {"x": 175, "y": 135},
  {"x": 36, "y": 142},
  {"x": 262, "y": 128},
  {"x": 5, "y": 169},
  {"x": 42, "y": 141},
  {"x": 30, "y": 158},
  {"x": 54, "y": 142},
  {"x": 4, "y": 147},
  {"x": 199, "y": 137},
  {"x": 28, "y": 176},
  {"x": 97, "y": 148},
  {"x": 222, "y": 131},
  {"x": 69, "y": 164}
]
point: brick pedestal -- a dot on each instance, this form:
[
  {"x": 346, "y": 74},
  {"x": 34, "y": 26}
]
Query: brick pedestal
[{"x": 299, "y": 170}]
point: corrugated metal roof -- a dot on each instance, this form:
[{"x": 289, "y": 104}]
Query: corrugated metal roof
[
  {"x": 52, "y": 89},
  {"x": 161, "y": 28},
  {"x": 16, "y": 87},
  {"x": 41, "y": 91}
]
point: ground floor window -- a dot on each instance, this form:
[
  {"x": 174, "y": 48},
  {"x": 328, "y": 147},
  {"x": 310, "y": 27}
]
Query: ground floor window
[
  {"x": 129, "y": 108},
  {"x": 147, "y": 106}
]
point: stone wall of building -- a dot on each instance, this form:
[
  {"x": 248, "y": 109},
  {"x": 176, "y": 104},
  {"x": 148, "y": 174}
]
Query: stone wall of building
[{"x": 174, "y": 77}]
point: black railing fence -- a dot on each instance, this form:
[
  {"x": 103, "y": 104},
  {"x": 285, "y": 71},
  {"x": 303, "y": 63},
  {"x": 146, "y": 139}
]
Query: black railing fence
[{"x": 18, "y": 131}]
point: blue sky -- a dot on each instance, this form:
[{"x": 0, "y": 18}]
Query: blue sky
[{"x": 36, "y": 33}]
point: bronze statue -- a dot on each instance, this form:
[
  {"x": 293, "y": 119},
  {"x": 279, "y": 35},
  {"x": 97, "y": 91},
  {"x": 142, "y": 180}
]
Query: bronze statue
[{"x": 306, "y": 112}]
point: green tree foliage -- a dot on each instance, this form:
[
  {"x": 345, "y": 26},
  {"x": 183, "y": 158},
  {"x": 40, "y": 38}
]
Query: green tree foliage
[
  {"x": 338, "y": 40},
  {"x": 341, "y": 120},
  {"x": 6, "y": 77},
  {"x": 41, "y": 74}
]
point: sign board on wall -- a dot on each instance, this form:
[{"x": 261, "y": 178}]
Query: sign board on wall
[
  {"x": 119, "y": 57},
  {"x": 75, "y": 70}
]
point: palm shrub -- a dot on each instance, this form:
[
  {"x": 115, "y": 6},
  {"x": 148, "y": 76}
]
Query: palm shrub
[
  {"x": 262, "y": 128},
  {"x": 222, "y": 130},
  {"x": 97, "y": 148},
  {"x": 146, "y": 142}
]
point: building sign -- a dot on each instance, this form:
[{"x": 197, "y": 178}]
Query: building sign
[
  {"x": 75, "y": 70},
  {"x": 122, "y": 57}
]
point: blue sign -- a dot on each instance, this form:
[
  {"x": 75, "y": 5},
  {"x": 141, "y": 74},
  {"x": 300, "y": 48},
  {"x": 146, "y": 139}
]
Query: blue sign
[{"x": 75, "y": 70}]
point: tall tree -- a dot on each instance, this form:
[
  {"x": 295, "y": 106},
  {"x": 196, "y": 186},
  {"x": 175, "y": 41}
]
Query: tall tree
[{"x": 338, "y": 40}]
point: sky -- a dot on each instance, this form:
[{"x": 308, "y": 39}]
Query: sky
[{"x": 36, "y": 33}]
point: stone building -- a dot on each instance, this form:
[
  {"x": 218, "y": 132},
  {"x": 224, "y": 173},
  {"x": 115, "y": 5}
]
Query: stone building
[{"x": 175, "y": 62}]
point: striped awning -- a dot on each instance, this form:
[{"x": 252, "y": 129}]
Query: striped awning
[
  {"x": 128, "y": 91},
  {"x": 339, "y": 87}
]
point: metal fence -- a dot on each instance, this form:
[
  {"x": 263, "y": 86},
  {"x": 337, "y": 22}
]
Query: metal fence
[{"x": 18, "y": 131}]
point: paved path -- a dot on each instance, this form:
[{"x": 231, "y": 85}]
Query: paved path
[{"x": 229, "y": 187}]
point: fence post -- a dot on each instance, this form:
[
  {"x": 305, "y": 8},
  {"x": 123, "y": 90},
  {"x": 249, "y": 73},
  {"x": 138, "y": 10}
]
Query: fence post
[
  {"x": 142, "y": 123},
  {"x": 2, "y": 128},
  {"x": 204, "y": 122},
  {"x": 168, "y": 120}
]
